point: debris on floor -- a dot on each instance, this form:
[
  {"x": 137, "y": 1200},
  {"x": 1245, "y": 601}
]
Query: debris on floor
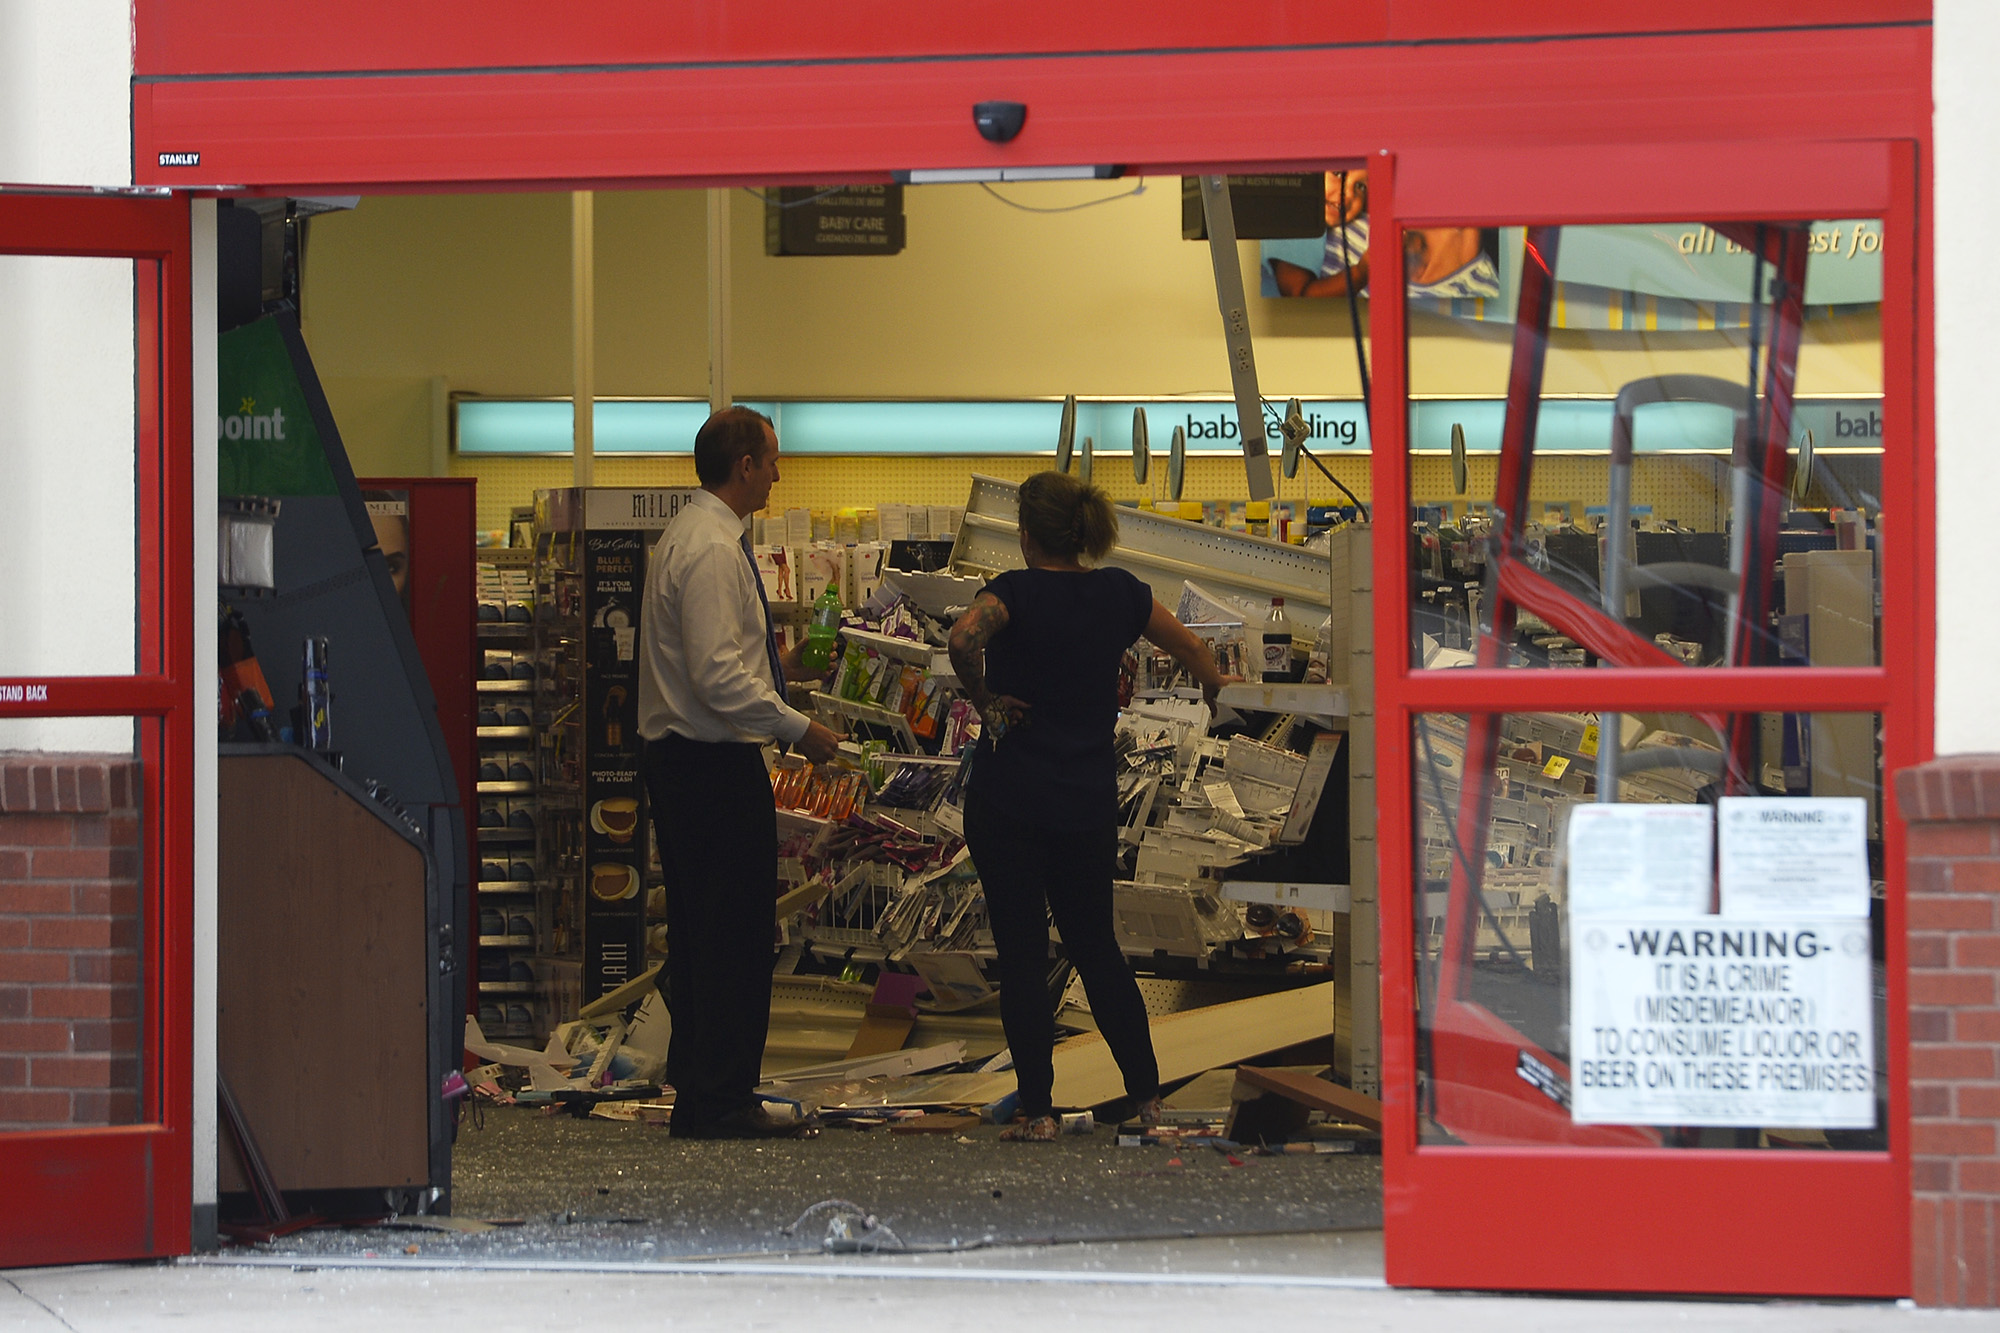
[
  {"x": 934, "y": 1191},
  {"x": 652, "y": 1111},
  {"x": 1310, "y": 1089},
  {"x": 465, "y": 1226},
  {"x": 934, "y": 1122},
  {"x": 606, "y": 1066}
]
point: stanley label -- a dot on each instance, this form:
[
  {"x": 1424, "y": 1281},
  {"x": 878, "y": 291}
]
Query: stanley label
[{"x": 180, "y": 159}]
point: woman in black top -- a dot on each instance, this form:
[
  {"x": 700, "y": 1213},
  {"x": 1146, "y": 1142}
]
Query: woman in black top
[{"x": 1038, "y": 652}]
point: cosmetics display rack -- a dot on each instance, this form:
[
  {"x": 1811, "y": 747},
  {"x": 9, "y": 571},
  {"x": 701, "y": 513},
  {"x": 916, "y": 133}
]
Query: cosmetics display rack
[{"x": 600, "y": 915}]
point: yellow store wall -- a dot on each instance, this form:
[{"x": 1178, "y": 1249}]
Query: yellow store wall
[{"x": 409, "y": 295}]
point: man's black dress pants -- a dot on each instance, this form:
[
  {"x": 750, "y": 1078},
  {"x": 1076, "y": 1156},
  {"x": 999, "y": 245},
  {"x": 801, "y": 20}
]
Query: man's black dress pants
[{"x": 718, "y": 836}]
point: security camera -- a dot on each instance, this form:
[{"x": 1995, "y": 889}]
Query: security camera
[{"x": 999, "y": 122}]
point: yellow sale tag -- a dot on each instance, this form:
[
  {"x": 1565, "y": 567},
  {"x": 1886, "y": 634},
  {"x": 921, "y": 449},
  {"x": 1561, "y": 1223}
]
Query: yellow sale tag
[
  {"x": 1589, "y": 745},
  {"x": 1556, "y": 767}
]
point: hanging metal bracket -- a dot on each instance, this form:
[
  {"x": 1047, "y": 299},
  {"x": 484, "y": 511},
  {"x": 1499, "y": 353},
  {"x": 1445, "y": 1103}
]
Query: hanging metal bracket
[{"x": 1236, "y": 330}]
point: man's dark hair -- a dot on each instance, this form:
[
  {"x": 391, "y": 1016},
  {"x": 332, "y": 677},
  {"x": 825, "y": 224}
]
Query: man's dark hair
[{"x": 732, "y": 433}]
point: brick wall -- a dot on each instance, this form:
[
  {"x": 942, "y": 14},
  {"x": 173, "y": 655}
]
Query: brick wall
[
  {"x": 1952, "y": 807},
  {"x": 69, "y": 940}
]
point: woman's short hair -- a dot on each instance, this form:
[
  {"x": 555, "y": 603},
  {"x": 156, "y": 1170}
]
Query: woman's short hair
[
  {"x": 732, "y": 433},
  {"x": 1067, "y": 518}
]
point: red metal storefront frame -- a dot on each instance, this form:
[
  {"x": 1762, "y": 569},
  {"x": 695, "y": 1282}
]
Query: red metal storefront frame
[
  {"x": 464, "y": 123},
  {"x": 1485, "y": 126}
]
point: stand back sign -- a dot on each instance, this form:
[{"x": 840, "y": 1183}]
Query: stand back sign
[{"x": 1759, "y": 1015}]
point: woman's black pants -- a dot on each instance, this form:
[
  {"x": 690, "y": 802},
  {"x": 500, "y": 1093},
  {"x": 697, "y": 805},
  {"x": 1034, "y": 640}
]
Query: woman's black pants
[{"x": 1030, "y": 873}]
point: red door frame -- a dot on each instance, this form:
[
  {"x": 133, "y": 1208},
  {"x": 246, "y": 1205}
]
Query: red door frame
[
  {"x": 124, "y": 1192},
  {"x": 1650, "y": 1219}
]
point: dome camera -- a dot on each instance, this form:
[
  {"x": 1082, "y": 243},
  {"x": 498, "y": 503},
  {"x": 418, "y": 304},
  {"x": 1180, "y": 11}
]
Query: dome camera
[{"x": 999, "y": 122}]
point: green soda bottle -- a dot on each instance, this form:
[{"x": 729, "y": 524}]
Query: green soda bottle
[{"x": 821, "y": 632}]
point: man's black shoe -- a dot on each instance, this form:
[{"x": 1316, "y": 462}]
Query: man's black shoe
[{"x": 750, "y": 1122}]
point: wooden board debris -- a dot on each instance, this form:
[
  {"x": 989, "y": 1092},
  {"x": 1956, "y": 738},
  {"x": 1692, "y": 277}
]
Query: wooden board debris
[
  {"x": 799, "y": 899},
  {"x": 1196, "y": 1040},
  {"x": 884, "y": 1028},
  {"x": 1186, "y": 1043},
  {"x": 438, "y": 1222},
  {"x": 892, "y": 1064},
  {"x": 916, "y": 1090},
  {"x": 1206, "y": 1097},
  {"x": 935, "y": 1123},
  {"x": 1316, "y": 1093}
]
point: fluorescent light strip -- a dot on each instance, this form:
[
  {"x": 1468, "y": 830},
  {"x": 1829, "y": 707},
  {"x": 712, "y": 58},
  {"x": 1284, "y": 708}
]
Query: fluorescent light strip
[{"x": 642, "y": 427}]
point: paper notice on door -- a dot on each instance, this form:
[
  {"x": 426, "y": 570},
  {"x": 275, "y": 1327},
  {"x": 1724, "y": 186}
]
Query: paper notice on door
[
  {"x": 1626, "y": 860},
  {"x": 1723, "y": 1022},
  {"x": 1793, "y": 856}
]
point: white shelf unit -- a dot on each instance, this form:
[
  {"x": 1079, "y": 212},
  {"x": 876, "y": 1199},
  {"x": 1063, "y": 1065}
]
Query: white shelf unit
[{"x": 1163, "y": 552}]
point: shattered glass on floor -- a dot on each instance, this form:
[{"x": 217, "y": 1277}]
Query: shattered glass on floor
[{"x": 583, "y": 1189}]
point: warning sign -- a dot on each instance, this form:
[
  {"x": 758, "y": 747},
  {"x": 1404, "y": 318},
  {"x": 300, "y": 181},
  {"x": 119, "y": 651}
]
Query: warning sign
[
  {"x": 1722, "y": 1022},
  {"x": 1793, "y": 856},
  {"x": 1633, "y": 860}
]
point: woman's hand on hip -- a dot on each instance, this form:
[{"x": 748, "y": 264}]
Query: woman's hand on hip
[{"x": 1002, "y": 713}]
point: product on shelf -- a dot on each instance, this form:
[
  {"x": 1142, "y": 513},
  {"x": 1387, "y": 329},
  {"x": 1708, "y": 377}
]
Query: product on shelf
[
  {"x": 878, "y": 839},
  {"x": 821, "y": 632},
  {"x": 510, "y": 800},
  {"x": 1277, "y": 642},
  {"x": 594, "y": 850}
]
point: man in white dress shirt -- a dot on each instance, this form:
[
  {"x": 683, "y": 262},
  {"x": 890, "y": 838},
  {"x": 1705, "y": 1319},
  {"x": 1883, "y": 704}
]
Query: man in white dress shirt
[{"x": 711, "y": 695}]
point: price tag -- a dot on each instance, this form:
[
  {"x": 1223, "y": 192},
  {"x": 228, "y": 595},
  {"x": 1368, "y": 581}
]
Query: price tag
[
  {"x": 1589, "y": 745},
  {"x": 1556, "y": 767}
]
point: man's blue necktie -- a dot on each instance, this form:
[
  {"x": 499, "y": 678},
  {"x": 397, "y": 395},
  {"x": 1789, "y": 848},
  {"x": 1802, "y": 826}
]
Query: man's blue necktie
[{"x": 770, "y": 639}]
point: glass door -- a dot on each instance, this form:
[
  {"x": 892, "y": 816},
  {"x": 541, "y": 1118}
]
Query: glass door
[
  {"x": 1651, "y": 637},
  {"x": 96, "y": 727}
]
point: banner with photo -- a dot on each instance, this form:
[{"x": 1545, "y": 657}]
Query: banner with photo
[{"x": 1662, "y": 276}]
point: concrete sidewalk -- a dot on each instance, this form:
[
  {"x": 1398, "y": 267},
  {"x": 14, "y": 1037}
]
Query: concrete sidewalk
[{"x": 1329, "y": 1280}]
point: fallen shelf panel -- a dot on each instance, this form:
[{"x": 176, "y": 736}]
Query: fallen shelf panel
[
  {"x": 1317, "y": 1093},
  {"x": 1196, "y": 1040}
]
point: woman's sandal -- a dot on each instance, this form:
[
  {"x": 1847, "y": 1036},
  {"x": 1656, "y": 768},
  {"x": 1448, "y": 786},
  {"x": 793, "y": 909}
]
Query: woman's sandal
[
  {"x": 1039, "y": 1129},
  {"x": 1149, "y": 1112}
]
